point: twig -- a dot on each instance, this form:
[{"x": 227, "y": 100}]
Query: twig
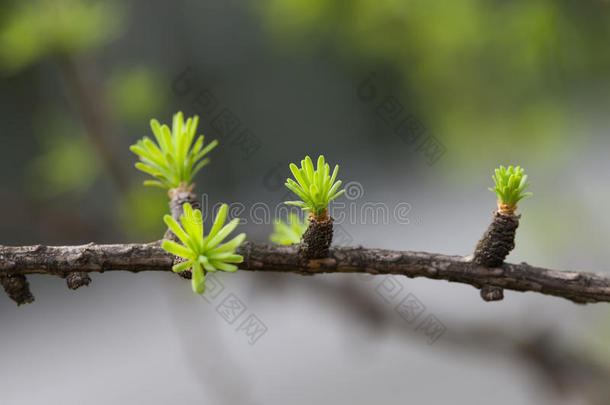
[
  {"x": 579, "y": 287},
  {"x": 93, "y": 119}
]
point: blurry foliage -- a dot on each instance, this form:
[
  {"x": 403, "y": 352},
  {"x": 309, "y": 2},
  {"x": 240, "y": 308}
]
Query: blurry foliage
[
  {"x": 32, "y": 30},
  {"x": 549, "y": 236},
  {"x": 67, "y": 161},
  {"x": 139, "y": 206},
  {"x": 289, "y": 232},
  {"x": 133, "y": 94},
  {"x": 485, "y": 76}
]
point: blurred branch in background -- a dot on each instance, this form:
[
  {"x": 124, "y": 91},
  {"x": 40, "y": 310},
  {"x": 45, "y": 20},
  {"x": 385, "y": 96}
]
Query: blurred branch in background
[
  {"x": 571, "y": 374},
  {"x": 81, "y": 144},
  {"x": 62, "y": 30},
  {"x": 67, "y": 161},
  {"x": 94, "y": 120}
]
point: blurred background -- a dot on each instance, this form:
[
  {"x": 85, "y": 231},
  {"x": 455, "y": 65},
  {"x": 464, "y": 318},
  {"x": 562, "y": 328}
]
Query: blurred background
[{"x": 417, "y": 101}]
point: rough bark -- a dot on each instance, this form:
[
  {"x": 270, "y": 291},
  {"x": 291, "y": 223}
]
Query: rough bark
[
  {"x": 494, "y": 246},
  {"x": 579, "y": 287},
  {"x": 498, "y": 240},
  {"x": 17, "y": 288},
  {"x": 77, "y": 279},
  {"x": 317, "y": 238}
]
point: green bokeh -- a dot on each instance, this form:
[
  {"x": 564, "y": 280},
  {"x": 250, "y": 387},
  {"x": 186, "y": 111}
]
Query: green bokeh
[
  {"x": 134, "y": 94},
  {"x": 66, "y": 161},
  {"x": 141, "y": 213},
  {"x": 36, "y": 29}
]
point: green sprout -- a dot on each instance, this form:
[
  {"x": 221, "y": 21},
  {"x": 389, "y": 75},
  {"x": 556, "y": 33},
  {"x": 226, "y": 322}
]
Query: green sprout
[
  {"x": 315, "y": 187},
  {"x": 510, "y": 185},
  {"x": 203, "y": 252},
  {"x": 287, "y": 233},
  {"x": 174, "y": 159}
]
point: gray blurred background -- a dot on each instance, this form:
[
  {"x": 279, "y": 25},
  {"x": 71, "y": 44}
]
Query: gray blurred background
[{"x": 482, "y": 83}]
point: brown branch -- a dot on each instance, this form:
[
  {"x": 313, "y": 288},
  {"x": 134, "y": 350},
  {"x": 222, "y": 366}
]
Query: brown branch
[{"x": 579, "y": 287}]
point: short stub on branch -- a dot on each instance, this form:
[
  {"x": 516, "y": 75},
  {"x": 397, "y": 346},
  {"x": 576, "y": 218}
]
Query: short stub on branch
[
  {"x": 315, "y": 242},
  {"x": 494, "y": 246},
  {"x": 498, "y": 240},
  {"x": 17, "y": 288},
  {"x": 492, "y": 293},
  {"x": 77, "y": 279}
]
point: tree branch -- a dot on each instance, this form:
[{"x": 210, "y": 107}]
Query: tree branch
[
  {"x": 579, "y": 287},
  {"x": 93, "y": 119}
]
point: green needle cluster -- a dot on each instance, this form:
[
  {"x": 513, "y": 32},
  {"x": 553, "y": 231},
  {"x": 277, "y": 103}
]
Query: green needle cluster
[
  {"x": 287, "y": 233},
  {"x": 174, "y": 159},
  {"x": 203, "y": 252},
  {"x": 510, "y": 184},
  {"x": 316, "y": 187}
]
